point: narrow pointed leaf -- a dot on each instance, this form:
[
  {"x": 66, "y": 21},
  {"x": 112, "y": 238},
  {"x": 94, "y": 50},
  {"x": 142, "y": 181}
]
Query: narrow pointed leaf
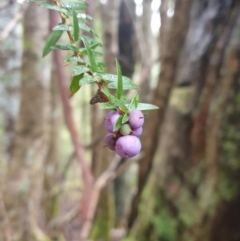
[
  {"x": 126, "y": 86},
  {"x": 119, "y": 82},
  {"x": 118, "y": 123},
  {"x": 51, "y": 41},
  {"x": 74, "y": 5},
  {"x": 53, "y": 7},
  {"x": 61, "y": 27},
  {"x": 79, "y": 69},
  {"x": 74, "y": 86},
  {"x": 90, "y": 56},
  {"x": 114, "y": 78},
  {"x": 65, "y": 46},
  {"x": 125, "y": 118},
  {"x": 134, "y": 102},
  {"x": 145, "y": 106},
  {"x": 115, "y": 101},
  {"x": 74, "y": 59},
  {"x": 75, "y": 26},
  {"x": 108, "y": 105},
  {"x": 87, "y": 80}
]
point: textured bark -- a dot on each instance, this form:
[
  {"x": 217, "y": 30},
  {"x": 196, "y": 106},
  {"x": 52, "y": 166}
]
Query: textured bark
[
  {"x": 189, "y": 199},
  {"x": 23, "y": 191},
  {"x": 10, "y": 75},
  {"x": 103, "y": 221},
  {"x": 172, "y": 35}
]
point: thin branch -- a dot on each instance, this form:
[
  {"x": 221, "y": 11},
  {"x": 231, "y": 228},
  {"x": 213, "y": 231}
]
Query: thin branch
[
  {"x": 11, "y": 25},
  {"x": 68, "y": 115},
  {"x": 7, "y": 226}
]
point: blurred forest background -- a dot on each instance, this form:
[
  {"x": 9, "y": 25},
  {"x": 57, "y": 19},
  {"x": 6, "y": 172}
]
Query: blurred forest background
[{"x": 185, "y": 183}]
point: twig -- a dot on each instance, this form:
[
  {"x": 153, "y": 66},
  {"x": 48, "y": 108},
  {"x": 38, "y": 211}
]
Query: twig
[
  {"x": 9, "y": 28},
  {"x": 7, "y": 226},
  {"x": 112, "y": 172},
  {"x": 68, "y": 115}
]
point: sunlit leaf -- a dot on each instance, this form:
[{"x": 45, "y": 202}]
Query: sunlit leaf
[
  {"x": 107, "y": 105},
  {"x": 74, "y": 5},
  {"x": 61, "y": 27},
  {"x": 87, "y": 80},
  {"x": 86, "y": 28},
  {"x": 125, "y": 118},
  {"x": 53, "y": 7},
  {"x": 114, "y": 78},
  {"x": 145, "y": 106},
  {"x": 51, "y": 41},
  {"x": 79, "y": 69},
  {"x": 84, "y": 16},
  {"x": 134, "y": 102},
  {"x": 118, "y": 123},
  {"x": 126, "y": 85},
  {"x": 65, "y": 46},
  {"x": 75, "y": 59},
  {"x": 116, "y": 101}
]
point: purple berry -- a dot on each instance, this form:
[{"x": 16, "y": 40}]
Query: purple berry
[
  {"x": 125, "y": 129},
  {"x": 137, "y": 132},
  {"x": 110, "y": 141},
  {"x": 110, "y": 120},
  {"x": 128, "y": 146},
  {"x": 136, "y": 119}
]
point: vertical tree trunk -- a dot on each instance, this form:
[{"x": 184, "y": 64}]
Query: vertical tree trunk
[
  {"x": 193, "y": 195},
  {"x": 23, "y": 191},
  {"x": 172, "y": 35},
  {"x": 104, "y": 219},
  {"x": 10, "y": 63}
]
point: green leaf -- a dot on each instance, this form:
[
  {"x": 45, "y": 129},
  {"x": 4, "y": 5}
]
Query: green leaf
[
  {"x": 101, "y": 66},
  {"x": 79, "y": 69},
  {"x": 84, "y": 16},
  {"x": 65, "y": 46},
  {"x": 114, "y": 78},
  {"x": 51, "y": 41},
  {"x": 74, "y": 59},
  {"x": 75, "y": 26},
  {"x": 144, "y": 106},
  {"x": 74, "y": 5},
  {"x": 86, "y": 28},
  {"x": 126, "y": 86},
  {"x": 108, "y": 105},
  {"x": 87, "y": 80},
  {"x": 74, "y": 86},
  {"x": 53, "y": 7},
  {"x": 115, "y": 101},
  {"x": 133, "y": 103},
  {"x": 119, "y": 81},
  {"x": 61, "y": 27},
  {"x": 118, "y": 123},
  {"x": 90, "y": 56},
  {"x": 125, "y": 118},
  {"x": 89, "y": 41}
]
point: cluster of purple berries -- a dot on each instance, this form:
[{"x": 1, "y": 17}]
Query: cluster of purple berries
[{"x": 124, "y": 141}]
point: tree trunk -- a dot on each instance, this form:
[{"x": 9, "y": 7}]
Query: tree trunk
[
  {"x": 23, "y": 191},
  {"x": 193, "y": 189}
]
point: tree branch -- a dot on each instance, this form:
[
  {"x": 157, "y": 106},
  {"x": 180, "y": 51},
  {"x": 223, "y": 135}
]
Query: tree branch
[{"x": 68, "y": 115}]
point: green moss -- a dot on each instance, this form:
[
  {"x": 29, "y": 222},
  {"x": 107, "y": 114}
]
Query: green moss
[{"x": 165, "y": 226}]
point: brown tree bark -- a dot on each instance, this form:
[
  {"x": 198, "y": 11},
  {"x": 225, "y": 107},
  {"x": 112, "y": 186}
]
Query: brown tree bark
[
  {"x": 191, "y": 194},
  {"x": 23, "y": 190},
  {"x": 172, "y": 35}
]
